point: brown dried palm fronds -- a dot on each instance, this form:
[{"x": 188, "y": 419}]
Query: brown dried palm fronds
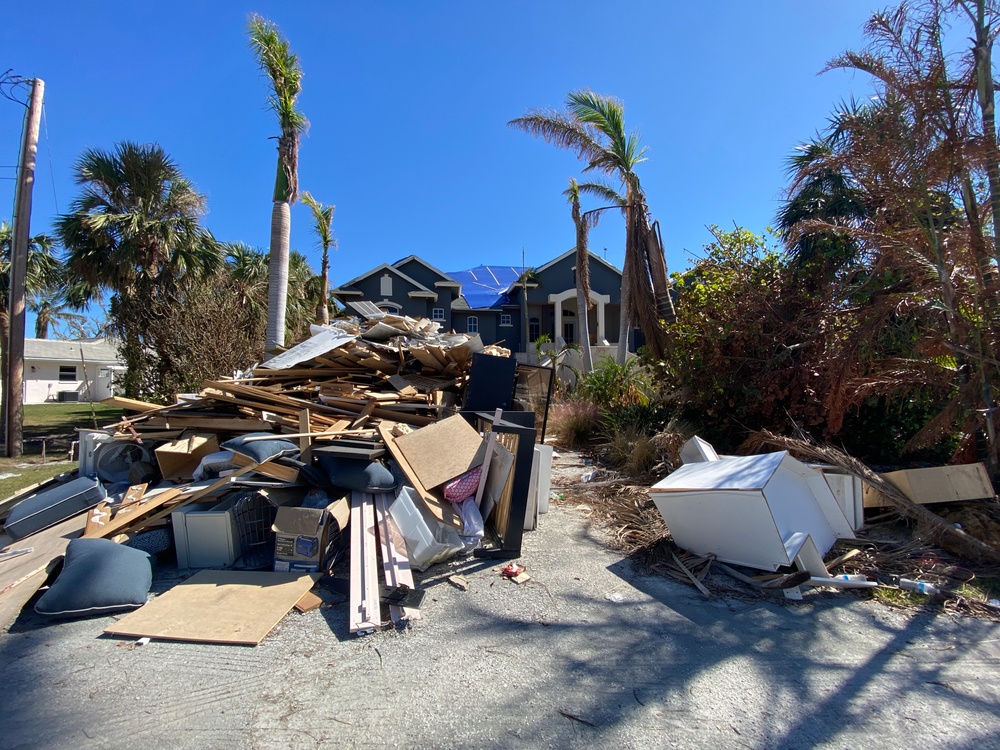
[
  {"x": 929, "y": 524},
  {"x": 634, "y": 524}
]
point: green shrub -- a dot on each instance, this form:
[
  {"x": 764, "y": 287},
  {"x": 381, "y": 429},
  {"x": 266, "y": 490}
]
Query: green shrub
[{"x": 610, "y": 385}]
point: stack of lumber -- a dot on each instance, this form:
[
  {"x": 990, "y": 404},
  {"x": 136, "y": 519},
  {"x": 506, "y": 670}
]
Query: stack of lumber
[{"x": 339, "y": 391}]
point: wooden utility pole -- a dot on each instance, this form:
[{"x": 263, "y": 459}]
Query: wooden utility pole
[{"x": 14, "y": 395}]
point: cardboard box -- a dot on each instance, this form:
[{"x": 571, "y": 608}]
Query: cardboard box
[
  {"x": 303, "y": 536},
  {"x": 938, "y": 484},
  {"x": 179, "y": 459},
  {"x": 205, "y": 535}
]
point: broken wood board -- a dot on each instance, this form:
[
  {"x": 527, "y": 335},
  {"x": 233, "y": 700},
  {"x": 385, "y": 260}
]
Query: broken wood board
[
  {"x": 22, "y": 576},
  {"x": 130, "y": 404},
  {"x": 440, "y": 508},
  {"x": 395, "y": 561},
  {"x": 308, "y": 602},
  {"x": 365, "y": 614},
  {"x": 937, "y": 484},
  {"x": 442, "y": 451},
  {"x": 269, "y": 469},
  {"x": 218, "y": 606}
]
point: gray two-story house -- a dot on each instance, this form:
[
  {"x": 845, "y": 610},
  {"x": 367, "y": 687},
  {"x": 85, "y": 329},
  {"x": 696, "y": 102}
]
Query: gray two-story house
[{"x": 487, "y": 299}]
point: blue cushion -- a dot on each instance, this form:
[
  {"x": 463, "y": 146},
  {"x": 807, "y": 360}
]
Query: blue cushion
[
  {"x": 357, "y": 473},
  {"x": 98, "y": 576},
  {"x": 261, "y": 450}
]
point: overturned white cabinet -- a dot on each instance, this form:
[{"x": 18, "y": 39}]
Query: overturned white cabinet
[{"x": 750, "y": 510}]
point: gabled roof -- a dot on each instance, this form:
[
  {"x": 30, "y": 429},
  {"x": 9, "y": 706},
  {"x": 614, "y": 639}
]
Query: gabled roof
[
  {"x": 446, "y": 280},
  {"x": 384, "y": 267},
  {"x": 572, "y": 251},
  {"x": 93, "y": 350},
  {"x": 486, "y": 286}
]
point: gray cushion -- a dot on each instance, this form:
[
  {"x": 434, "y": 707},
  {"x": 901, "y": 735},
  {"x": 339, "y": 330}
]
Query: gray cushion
[
  {"x": 357, "y": 474},
  {"x": 261, "y": 450},
  {"x": 98, "y": 576}
]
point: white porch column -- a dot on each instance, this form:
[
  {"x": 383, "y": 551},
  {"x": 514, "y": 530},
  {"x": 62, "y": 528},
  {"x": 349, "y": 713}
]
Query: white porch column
[{"x": 600, "y": 299}]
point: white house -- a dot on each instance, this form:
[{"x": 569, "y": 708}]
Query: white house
[{"x": 81, "y": 370}]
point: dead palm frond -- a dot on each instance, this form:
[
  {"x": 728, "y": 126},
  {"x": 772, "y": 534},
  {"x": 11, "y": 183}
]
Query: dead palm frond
[{"x": 928, "y": 523}]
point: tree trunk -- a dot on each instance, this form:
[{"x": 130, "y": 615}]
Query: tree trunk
[
  {"x": 626, "y": 308},
  {"x": 584, "y": 324},
  {"x": 277, "y": 276},
  {"x": 324, "y": 301}
]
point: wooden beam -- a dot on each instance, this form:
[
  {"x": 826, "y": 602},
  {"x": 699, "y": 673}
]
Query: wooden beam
[
  {"x": 365, "y": 613},
  {"x": 395, "y": 562}
]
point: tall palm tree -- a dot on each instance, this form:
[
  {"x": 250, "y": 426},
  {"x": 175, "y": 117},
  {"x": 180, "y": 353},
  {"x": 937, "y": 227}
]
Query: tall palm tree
[
  {"x": 593, "y": 126},
  {"x": 323, "y": 224},
  {"x": 583, "y": 223},
  {"x": 281, "y": 65},
  {"x": 134, "y": 231}
]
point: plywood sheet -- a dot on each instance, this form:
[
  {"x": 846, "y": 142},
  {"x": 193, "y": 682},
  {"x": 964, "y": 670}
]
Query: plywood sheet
[
  {"x": 218, "y": 606},
  {"x": 442, "y": 451},
  {"x": 937, "y": 484},
  {"x": 21, "y": 577}
]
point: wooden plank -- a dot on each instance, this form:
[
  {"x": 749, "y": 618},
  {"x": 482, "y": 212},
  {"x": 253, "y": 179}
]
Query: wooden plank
[
  {"x": 442, "y": 451},
  {"x": 97, "y": 518},
  {"x": 365, "y": 612},
  {"x": 395, "y": 562},
  {"x": 936, "y": 484},
  {"x": 305, "y": 429},
  {"x": 440, "y": 508},
  {"x": 130, "y": 404},
  {"x": 22, "y": 576},
  {"x": 684, "y": 569},
  {"x": 269, "y": 469},
  {"x": 308, "y": 602},
  {"x": 218, "y": 606}
]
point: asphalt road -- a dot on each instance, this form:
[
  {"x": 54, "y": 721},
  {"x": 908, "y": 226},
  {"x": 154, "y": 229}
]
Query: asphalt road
[{"x": 588, "y": 654}]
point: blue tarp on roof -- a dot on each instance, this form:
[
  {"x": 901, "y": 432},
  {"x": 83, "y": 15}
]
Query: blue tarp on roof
[{"x": 486, "y": 286}]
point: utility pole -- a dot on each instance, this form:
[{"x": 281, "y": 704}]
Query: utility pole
[{"x": 14, "y": 395}]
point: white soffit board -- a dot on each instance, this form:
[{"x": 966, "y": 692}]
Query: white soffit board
[{"x": 315, "y": 346}]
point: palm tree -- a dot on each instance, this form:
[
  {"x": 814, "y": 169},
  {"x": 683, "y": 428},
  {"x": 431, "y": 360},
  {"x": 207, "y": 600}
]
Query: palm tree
[
  {"x": 583, "y": 223},
  {"x": 49, "y": 311},
  {"x": 281, "y": 66},
  {"x": 323, "y": 218},
  {"x": 248, "y": 270},
  {"x": 134, "y": 230},
  {"x": 593, "y": 125},
  {"x": 526, "y": 277}
]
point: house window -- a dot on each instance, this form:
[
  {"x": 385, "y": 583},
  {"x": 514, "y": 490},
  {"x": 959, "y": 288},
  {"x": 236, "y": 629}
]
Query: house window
[
  {"x": 437, "y": 313},
  {"x": 534, "y": 329},
  {"x": 67, "y": 373},
  {"x": 473, "y": 324},
  {"x": 386, "y": 285},
  {"x": 505, "y": 319}
]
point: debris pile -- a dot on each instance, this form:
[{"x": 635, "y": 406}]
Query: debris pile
[{"x": 326, "y": 460}]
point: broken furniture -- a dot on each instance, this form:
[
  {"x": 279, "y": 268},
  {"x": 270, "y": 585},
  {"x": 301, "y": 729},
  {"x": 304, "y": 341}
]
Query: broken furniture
[{"x": 764, "y": 511}]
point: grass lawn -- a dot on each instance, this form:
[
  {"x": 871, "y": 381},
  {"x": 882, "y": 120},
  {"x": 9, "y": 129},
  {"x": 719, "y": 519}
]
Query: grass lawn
[{"x": 52, "y": 426}]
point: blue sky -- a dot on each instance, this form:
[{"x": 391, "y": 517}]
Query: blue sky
[{"x": 408, "y": 104}]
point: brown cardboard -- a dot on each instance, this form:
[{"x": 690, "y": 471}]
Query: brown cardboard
[
  {"x": 302, "y": 535},
  {"x": 179, "y": 459},
  {"x": 938, "y": 484},
  {"x": 443, "y": 450}
]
